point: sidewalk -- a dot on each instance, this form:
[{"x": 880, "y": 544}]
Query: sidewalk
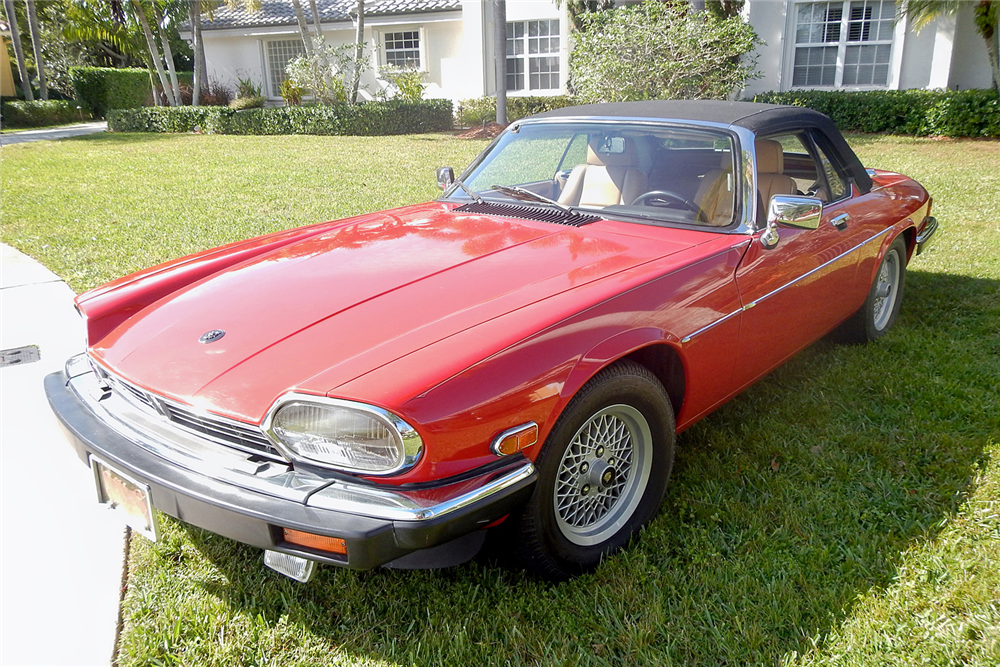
[
  {"x": 61, "y": 556},
  {"x": 53, "y": 133}
]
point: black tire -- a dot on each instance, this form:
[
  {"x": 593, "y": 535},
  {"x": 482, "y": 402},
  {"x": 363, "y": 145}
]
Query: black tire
[
  {"x": 885, "y": 296},
  {"x": 602, "y": 473}
]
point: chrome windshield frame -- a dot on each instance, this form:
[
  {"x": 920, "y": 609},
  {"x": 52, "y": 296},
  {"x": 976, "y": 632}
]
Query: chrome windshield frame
[{"x": 746, "y": 160}]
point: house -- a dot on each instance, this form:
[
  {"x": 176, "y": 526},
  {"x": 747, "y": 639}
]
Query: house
[
  {"x": 809, "y": 44},
  {"x": 449, "y": 40}
]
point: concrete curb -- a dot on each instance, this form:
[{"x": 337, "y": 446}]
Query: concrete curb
[{"x": 62, "y": 555}]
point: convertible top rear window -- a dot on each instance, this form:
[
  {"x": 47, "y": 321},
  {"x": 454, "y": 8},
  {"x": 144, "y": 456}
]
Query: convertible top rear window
[{"x": 671, "y": 174}]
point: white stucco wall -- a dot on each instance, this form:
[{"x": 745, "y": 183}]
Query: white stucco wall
[{"x": 946, "y": 53}]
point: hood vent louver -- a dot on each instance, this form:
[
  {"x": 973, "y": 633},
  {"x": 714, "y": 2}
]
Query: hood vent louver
[{"x": 553, "y": 215}]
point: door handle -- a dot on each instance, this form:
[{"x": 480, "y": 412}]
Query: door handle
[{"x": 840, "y": 222}]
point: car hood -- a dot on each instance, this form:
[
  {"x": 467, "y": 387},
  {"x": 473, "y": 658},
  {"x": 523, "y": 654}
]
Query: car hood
[{"x": 353, "y": 297}]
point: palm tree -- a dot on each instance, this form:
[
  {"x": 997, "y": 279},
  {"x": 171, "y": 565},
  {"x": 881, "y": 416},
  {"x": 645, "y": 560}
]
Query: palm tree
[
  {"x": 36, "y": 45},
  {"x": 303, "y": 26},
  {"x": 168, "y": 54},
  {"x": 155, "y": 57},
  {"x": 359, "y": 51},
  {"x": 986, "y": 18},
  {"x": 15, "y": 38}
]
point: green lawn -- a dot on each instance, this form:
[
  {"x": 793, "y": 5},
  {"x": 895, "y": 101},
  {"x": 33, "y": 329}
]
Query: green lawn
[{"x": 845, "y": 510}]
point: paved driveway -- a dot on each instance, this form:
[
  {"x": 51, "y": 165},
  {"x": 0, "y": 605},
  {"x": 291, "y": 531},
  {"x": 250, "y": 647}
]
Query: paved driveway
[{"x": 53, "y": 133}]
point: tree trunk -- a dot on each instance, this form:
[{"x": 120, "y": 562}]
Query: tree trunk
[
  {"x": 194, "y": 16},
  {"x": 359, "y": 51},
  {"x": 15, "y": 38},
  {"x": 36, "y": 45},
  {"x": 500, "y": 56},
  {"x": 303, "y": 27},
  {"x": 316, "y": 19},
  {"x": 168, "y": 55},
  {"x": 154, "y": 53}
]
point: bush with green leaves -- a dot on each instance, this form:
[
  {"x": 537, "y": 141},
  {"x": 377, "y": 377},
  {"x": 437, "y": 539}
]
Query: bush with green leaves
[
  {"x": 106, "y": 88},
  {"x": 479, "y": 110},
  {"x": 241, "y": 103},
  {"x": 965, "y": 113},
  {"x": 368, "y": 119},
  {"x": 406, "y": 83},
  {"x": 327, "y": 72},
  {"x": 661, "y": 50},
  {"x": 20, "y": 113}
]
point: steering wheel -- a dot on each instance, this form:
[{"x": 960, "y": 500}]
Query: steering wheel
[{"x": 648, "y": 198}]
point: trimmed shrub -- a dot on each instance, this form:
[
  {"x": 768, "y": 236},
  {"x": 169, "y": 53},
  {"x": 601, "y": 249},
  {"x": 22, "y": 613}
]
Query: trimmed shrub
[
  {"x": 19, "y": 113},
  {"x": 965, "y": 113},
  {"x": 106, "y": 88},
  {"x": 477, "y": 110},
  {"x": 256, "y": 102},
  {"x": 370, "y": 119}
]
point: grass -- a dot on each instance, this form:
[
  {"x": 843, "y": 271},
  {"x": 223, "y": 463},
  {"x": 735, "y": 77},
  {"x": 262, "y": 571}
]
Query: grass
[{"x": 843, "y": 511}]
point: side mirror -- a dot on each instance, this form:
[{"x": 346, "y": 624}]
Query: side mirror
[
  {"x": 445, "y": 176},
  {"x": 790, "y": 211}
]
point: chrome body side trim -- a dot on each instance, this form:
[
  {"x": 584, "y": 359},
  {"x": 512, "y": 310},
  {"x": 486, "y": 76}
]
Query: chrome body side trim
[
  {"x": 201, "y": 456},
  {"x": 750, "y": 305},
  {"x": 925, "y": 236}
]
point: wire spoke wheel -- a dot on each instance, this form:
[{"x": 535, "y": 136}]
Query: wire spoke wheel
[
  {"x": 602, "y": 475},
  {"x": 886, "y": 289}
]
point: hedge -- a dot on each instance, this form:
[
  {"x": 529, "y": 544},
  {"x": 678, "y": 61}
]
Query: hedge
[
  {"x": 481, "y": 109},
  {"x": 20, "y": 113},
  {"x": 370, "y": 118},
  {"x": 966, "y": 113},
  {"x": 106, "y": 88}
]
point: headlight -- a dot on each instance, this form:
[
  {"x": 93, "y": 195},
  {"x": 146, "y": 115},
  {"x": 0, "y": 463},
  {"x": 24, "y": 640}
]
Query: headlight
[{"x": 343, "y": 434}]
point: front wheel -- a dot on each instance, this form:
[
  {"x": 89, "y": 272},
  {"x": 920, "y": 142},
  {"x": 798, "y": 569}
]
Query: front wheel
[
  {"x": 601, "y": 473},
  {"x": 881, "y": 306}
]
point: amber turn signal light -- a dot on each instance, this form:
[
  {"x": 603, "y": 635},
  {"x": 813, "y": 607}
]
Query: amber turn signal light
[
  {"x": 515, "y": 439},
  {"x": 335, "y": 545}
]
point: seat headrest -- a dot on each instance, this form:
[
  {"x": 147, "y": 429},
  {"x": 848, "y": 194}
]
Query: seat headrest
[
  {"x": 770, "y": 157},
  {"x": 597, "y": 156}
]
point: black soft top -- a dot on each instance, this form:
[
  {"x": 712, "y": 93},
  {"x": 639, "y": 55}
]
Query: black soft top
[{"x": 761, "y": 119}]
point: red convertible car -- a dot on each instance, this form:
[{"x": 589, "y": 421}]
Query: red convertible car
[{"x": 524, "y": 350}]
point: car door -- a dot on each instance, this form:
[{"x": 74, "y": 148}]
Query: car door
[{"x": 797, "y": 291}]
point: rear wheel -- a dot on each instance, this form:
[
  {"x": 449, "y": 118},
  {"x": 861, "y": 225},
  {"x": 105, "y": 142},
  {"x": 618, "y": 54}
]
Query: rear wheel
[
  {"x": 881, "y": 306},
  {"x": 602, "y": 473}
]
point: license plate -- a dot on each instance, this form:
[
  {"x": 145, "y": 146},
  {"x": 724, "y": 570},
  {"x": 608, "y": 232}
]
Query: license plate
[{"x": 128, "y": 496}]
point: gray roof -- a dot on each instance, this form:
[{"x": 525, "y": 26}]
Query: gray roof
[{"x": 280, "y": 12}]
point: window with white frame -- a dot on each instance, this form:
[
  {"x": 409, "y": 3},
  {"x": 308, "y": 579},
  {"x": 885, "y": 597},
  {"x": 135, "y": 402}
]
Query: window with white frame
[
  {"x": 843, "y": 43},
  {"x": 279, "y": 53},
  {"x": 402, "y": 49},
  {"x": 533, "y": 55}
]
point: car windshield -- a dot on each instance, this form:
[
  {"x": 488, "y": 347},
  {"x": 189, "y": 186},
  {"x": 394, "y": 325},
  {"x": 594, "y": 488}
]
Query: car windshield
[{"x": 643, "y": 172}]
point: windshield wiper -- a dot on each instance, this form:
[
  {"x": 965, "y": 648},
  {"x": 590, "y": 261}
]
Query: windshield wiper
[
  {"x": 471, "y": 193},
  {"x": 528, "y": 195}
]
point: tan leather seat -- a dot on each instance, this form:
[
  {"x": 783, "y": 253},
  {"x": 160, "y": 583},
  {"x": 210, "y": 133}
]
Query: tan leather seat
[
  {"x": 770, "y": 167},
  {"x": 607, "y": 179},
  {"x": 715, "y": 193}
]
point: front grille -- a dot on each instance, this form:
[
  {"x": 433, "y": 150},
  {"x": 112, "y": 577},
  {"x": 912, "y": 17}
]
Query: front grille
[
  {"x": 228, "y": 432},
  {"x": 554, "y": 215}
]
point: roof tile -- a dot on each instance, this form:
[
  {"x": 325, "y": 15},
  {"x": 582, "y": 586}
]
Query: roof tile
[{"x": 280, "y": 12}]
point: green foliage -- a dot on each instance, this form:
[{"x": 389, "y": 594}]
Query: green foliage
[
  {"x": 106, "y": 88},
  {"x": 408, "y": 82},
  {"x": 241, "y": 103},
  {"x": 477, "y": 110},
  {"x": 291, "y": 93},
  {"x": 965, "y": 113},
  {"x": 368, "y": 119},
  {"x": 247, "y": 88},
  {"x": 661, "y": 50},
  {"x": 327, "y": 72},
  {"x": 19, "y": 113}
]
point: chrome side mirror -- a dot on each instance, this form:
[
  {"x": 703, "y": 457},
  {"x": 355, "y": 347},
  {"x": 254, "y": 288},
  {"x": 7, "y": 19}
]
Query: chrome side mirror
[
  {"x": 445, "y": 176},
  {"x": 790, "y": 211}
]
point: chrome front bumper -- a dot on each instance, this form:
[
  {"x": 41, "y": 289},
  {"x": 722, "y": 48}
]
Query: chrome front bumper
[{"x": 244, "y": 496}]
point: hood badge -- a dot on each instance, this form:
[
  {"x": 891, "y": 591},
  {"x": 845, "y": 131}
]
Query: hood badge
[{"x": 211, "y": 336}]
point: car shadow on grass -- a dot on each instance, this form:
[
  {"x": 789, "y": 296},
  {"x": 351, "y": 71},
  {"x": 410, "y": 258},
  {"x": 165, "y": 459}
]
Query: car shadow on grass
[{"x": 786, "y": 505}]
